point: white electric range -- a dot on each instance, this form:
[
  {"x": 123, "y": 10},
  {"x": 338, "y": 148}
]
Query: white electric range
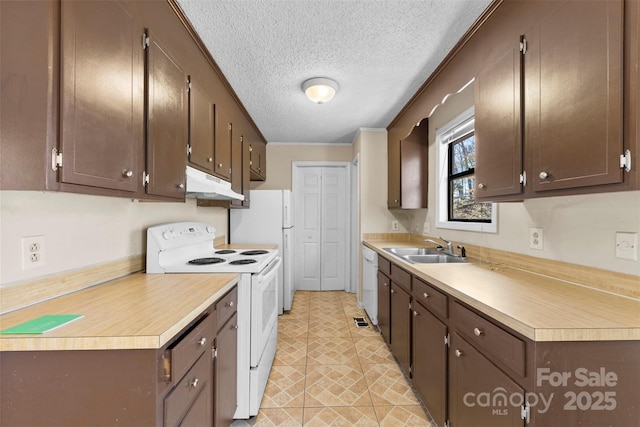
[{"x": 187, "y": 247}]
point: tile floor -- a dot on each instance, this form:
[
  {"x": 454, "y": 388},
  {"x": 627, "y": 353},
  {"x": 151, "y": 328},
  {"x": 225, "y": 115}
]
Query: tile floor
[{"x": 328, "y": 372}]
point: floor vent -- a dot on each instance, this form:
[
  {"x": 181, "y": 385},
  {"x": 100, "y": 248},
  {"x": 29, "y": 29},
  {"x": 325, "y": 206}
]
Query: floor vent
[{"x": 361, "y": 322}]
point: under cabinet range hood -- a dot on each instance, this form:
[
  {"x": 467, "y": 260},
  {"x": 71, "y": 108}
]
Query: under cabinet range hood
[{"x": 201, "y": 185}]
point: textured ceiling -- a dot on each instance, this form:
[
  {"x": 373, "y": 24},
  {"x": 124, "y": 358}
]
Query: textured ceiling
[{"x": 379, "y": 51}]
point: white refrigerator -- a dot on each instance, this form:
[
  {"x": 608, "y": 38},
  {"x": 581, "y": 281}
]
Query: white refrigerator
[{"x": 269, "y": 220}]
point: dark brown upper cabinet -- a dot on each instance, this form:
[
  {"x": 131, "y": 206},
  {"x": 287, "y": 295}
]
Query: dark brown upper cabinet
[
  {"x": 167, "y": 121},
  {"x": 222, "y": 148},
  {"x": 101, "y": 96},
  {"x": 258, "y": 160},
  {"x": 549, "y": 105},
  {"x": 201, "y": 126},
  {"x": 246, "y": 172},
  {"x": 408, "y": 169},
  {"x": 236, "y": 164}
]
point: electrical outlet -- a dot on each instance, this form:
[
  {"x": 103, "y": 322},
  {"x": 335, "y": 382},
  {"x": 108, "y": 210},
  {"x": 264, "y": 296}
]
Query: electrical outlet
[
  {"x": 536, "y": 238},
  {"x": 394, "y": 226},
  {"x": 627, "y": 246},
  {"x": 33, "y": 252}
]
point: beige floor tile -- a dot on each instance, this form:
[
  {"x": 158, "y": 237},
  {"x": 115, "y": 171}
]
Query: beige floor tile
[
  {"x": 331, "y": 351},
  {"x": 372, "y": 350},
  {"x": 329, "y": 327},
  {"x": 335, "y": 416},
  {"x": 292, "y": 327},
  {"x": 336, "y": 385},
  {"x": 275, "y": 417},
  {"x": 291, "y": 351},
  {"x": 387, "y": 385},
  {"x": 406, "y": 416},
  {"x": 285, "y": 387}
]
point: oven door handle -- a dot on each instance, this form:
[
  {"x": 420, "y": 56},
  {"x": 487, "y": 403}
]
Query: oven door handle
[{"x": 272, "y": 269}]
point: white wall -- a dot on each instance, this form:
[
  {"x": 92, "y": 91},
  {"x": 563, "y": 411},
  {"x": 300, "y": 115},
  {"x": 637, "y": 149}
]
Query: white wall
[
  {"x": 83, "y": 230},
  {"x": 577, "y": 229}
]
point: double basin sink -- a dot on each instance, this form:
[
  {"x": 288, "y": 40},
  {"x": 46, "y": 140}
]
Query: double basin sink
[{"x": 425, "y": 255}]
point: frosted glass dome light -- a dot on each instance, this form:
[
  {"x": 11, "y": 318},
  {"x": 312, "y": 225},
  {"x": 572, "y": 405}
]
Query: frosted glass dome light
[{"x": 320, "y": 89}]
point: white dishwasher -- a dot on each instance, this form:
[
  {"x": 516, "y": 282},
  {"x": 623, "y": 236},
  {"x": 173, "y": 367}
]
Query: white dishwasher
[{"x": 370, "y": 283}]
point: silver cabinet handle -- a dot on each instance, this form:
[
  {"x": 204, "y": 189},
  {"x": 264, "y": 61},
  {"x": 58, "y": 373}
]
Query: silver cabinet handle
[
  {"x": 194, "y": 383},
  {"x": 481, "y": 186},
  {"x": 210, "y": 159},
  {"x": 477, "y": 332},
  {"x": 458, "y": 353},
  {"x": 543, "y": 175},
  {"x": 426, "y": 295},
  {"x": 202, "y": 341},
  {"x": 127, "y": 174}
]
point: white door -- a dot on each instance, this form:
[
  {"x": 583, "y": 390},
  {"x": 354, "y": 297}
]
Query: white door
[{"x": 321, "y": 231}]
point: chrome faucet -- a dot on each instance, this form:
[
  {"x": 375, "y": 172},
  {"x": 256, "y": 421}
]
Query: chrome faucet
[
  {"x": 449, "y": 245},
  {"x": 438, "y": 245}
]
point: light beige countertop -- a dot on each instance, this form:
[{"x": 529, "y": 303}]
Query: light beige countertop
[
  {"x": 139, "y": 311},
  {"x": 539, "y": 307}
]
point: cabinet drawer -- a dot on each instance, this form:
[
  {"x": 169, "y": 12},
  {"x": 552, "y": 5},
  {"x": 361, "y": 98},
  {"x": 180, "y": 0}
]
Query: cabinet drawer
[
  {"x": 384, "y": 265},
  {"x": 500, "y": 346},
  {"x": 430, "y": 297},
  {"x": 226, "y": 306},
  {"x": 197, "y": 380},
  {"x": 401, "y": 277},
  {"x": 188, "y": 348}
]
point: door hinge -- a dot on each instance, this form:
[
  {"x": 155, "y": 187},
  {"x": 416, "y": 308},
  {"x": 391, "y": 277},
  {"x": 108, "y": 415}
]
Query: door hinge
[
  {"x": 145, "y": 41},
  {"x": 411, "y": 370},
  {"x": 446, "y": 423},
  {"x": 523, "y": 178},
  {"x": 214, "y": 353},
  {"x": 188, "y": 85},
  {"x": 56, "y": 159},
  {"x": 145, "y": 179},
  {"x": 625, "y": 161},
  {"x": 229, "y": 126},
  {"x": 523, "y": 45},
  {"x": 525, "y": 412},
  {"x": 446, "y": 340},
  {"x": 188, "y": 150}
]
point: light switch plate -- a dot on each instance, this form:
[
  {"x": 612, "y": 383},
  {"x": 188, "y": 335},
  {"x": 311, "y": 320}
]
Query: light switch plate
[
  {"x": 627, "y": 246},
  {"x": 536, "y": 238}
]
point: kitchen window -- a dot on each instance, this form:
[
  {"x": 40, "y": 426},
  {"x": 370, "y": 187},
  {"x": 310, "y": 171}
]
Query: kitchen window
[{"x": 455, "y": 203}]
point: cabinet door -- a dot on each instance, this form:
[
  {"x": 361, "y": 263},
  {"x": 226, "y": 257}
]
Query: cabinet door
[
  {"x": 236, "y": 163},
  {"x": 223, "y": 144},
  {"x": 102, "y": 95},
  {"x": 573, "y": 83},
  {"x": 414, "y": 167},
  {"x": 258, "y": 161},
  {"x": 393, "y": 191},
  {"x": 401, "y": 325},
  {"x": 479, "y": 393},
  {"x": 430, "y": 362},
  {"x": 167, "y": 122},
  {"x": 384, "y": 306},
  {"x": 246, "y": 172},
  {"x": 498, "y": 136},
  {"x": 201, "y": 126},
  {"x": 226, "y": 373}
]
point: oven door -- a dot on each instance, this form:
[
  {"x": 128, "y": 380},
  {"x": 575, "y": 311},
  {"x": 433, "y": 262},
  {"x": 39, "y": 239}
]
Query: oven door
[{"x": 264, "y": 308}]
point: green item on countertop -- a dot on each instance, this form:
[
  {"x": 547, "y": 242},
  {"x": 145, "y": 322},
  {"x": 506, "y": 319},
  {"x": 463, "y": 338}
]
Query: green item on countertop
[{"x": 41, "y": 324}]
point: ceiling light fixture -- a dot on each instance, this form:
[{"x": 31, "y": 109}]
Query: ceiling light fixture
[{"x": 320, "y": 89}]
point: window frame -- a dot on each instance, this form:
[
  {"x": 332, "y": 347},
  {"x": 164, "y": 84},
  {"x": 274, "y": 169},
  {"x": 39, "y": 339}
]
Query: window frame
[{"x": 444, "y": 179}]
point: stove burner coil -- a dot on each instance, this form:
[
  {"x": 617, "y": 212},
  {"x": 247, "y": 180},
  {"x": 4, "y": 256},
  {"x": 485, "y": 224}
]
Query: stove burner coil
[
  {"x": 243, "y": 261},
  {"x": 225, "y": 252},
  {"x": 206, "y": 261},
  {"x": 255, "y": 252}
]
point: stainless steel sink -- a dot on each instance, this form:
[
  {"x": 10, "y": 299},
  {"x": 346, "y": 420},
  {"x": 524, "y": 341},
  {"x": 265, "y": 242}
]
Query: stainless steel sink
[
  {"x": 434, "y": 259},
  {"x": 401, "y": 252}
]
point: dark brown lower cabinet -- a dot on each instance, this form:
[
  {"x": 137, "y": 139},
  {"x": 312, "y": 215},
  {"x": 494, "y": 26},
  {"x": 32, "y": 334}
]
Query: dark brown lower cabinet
[
  {"x": 401, "y": 326},
  {"x": 430, "y": 362},
  {"x": 480, "y": 394},
  {"x": 225, "y": 373},
  {"x": 384, "y": 306}
]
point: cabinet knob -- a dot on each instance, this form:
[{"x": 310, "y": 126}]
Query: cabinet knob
[
  {"x": 235, "y": 326},
  {"x": 219, "y": 165},
  {"x": 127, "y": 174},
  {"x": 181, "y": 186},
  {"x": 210, "y": 159},
  {"x": 415, "y": 313},
  {"x": 481, "y": 186},
  {"x": 229, "y": 304},
  {"x": 458, "y": 353},
  {"x": 426, "y": 295},
  {"x": 194, "y": 383},
  {"x": 202, "y": 341},
  {"x": 543, "y": 175},
  {"x": 393, "y": 291},
  {"x": 386, "y": 284},
  {"x": 477, "y": 332},
  {"x": 395, "y": 201}
]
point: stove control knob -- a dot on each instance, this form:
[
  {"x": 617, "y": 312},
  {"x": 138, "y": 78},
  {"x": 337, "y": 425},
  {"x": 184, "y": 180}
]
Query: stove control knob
[
  {"x": 210, "y": 229},
  {"x": 167, "y": 235}
]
